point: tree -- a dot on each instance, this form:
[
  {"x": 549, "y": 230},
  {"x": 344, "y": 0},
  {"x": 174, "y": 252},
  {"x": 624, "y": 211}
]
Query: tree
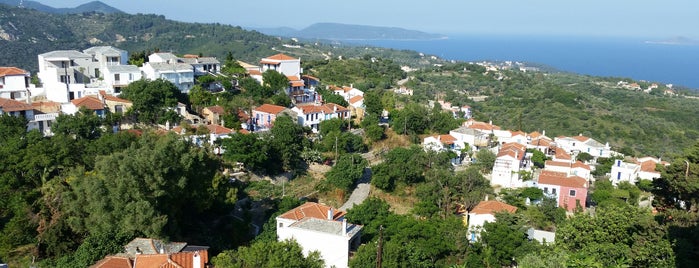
[
  {"x": 485, "y": 159},
  {"x": 372, "y": 129},
  {"x": 348, "y": 169},
  {"x": 372, "y": 101},
  {"x": 84, "y": 124},
  {"x": 275, "y": 81},
  {"x": 251, "y": 150},
  {"x": 268, "y": 254},
  {"x": 504, "y": 240},
  {"x": 152, "y": 100},
  {"x": 412, "y": 120},
  {"x": 288, "y": 140},
  {"x": 624, "y": 236},
  {"x": 538, "y": 158},
  {"x": 199, "y": 97}
]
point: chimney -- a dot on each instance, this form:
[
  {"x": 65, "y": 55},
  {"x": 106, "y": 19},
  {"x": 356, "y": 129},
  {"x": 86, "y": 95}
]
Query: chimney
[
  {"x": 344, "y": 226},
  {"x": 543, "y": 133},
  {"x": 486, "y": 197},
  {"x": 330, "y": 214}
]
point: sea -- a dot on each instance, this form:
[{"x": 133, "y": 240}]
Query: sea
[{"x": 635, "y": 58}]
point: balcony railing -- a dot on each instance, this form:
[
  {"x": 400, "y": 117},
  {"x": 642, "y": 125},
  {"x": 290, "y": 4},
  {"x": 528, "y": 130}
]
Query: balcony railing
[{"x": 45, "y": 117}]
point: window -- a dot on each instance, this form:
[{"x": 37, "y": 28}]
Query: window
[
  {"x": 553, "y": 190},
  {"x": 119, "y": 108},
  {"x": 546, "y": 190},
  {"x": 117, "y": 77},
  {"x": 572, "y": 193}
]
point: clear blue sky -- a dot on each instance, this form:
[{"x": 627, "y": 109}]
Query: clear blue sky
[{"x": 624, "y": 18}]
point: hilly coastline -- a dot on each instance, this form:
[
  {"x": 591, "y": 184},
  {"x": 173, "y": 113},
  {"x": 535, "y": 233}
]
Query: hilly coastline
[{"x": 338, "y": 31}]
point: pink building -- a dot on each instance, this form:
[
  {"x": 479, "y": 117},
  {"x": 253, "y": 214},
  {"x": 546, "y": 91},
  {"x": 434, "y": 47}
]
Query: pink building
[
  {"x": 266, "y": 114},
  {"x": 569, "y": 191}
]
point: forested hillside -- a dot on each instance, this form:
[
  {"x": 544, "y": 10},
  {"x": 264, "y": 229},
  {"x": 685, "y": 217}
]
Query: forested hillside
[{"x": 567, "y": 104}]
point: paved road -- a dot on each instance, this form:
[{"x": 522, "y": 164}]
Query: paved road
[{"x": 361, "y": 192}]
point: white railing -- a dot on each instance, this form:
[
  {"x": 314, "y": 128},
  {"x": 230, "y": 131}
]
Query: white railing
[{"x": 45, "y": 117}]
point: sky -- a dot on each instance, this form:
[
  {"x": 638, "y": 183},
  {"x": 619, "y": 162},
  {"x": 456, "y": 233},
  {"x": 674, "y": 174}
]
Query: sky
[{"x": 661, "y": 19}]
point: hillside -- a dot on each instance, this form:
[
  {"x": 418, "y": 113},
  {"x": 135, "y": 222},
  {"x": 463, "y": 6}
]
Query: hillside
[
  {"x": 568, "y": 104},
  {"x": 94, "y": 6},
  {"x": 25, "y": 33},
  {"x": 338, "y": 31}
]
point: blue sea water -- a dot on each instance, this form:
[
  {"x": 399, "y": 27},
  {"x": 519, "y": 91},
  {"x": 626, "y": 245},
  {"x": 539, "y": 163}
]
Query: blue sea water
[{"x": 615, "y": 57}]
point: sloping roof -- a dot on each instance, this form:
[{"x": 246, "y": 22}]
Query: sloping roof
[
  {"x": 217, "y": 109},
  {"x": 164, "y": 66},
  {"x": 483, "y": 126},
  {"x": 280, "y": 56},
  {"x": 332, "y": 107},
  {"x": 7, "y": 71},
  {"x": 445, "y": 139},
  {"x": 356, "y": 99},
  {"x": 581, "y": 138},
  {"x": 254, "y": 72},
  {"x": 104, "y": 50},
  {"x": 576, "y": 164},
  {"x": 166, "y": 56},
  {"x": 561, "y": 154},
  {"x": 560, "y": 179},
  {"x": 71, "y": 54},
  {"x": 154, "y": 260},
  {"x": 90, "y": 102},
  {"x": 312, "y": 210},
  {"x": 151, "y": 246},
  {"x": 10, "y": 105},
  {"x": 247, "y": 65},
  {"x": 515, "y": 133},
  {"x": 47, "y": 106},
  {"x": 492, "y": 207},
  {"x": 123, "y": 69},
  {"x": 541, "y": 142},
  {"x": 326, "y": 226},
  {"x": 270, "y": 108},
  {"x": 310, "y": 77},
  {"x": 200, "y": 60},
  {"x": 219, "y": 130},
  {"x": 468, "y": 131},
  {"x": 512, "y": 149},
  {"x": 113, "y": 262},
  {"x": 648, "y": 166}
]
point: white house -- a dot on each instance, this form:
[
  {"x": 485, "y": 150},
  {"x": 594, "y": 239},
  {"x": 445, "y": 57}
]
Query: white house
[
  {"x": 346, "y": 92},
  {"x": 120, "y": 76},
  {"x": 283, "y": 64},
  {"x": 312, "y": 115},
  {"x": 579, "y": 144},
  {"x": 485, "y": 212},
  {"x": 202, "y": 65},
  {"x": 508, "y": 164},
  {"x": 440, "y": 143},
  {"x": 571, "y": 168},
  {"x": 108, "y": 56},
  {"x": 180, "y": 74},
  {"x": 638, "y": 169},
  {"x": 473, "y": 137},
  {"x": 321, "y": 228},
  {"x": 14, "y": 83}
]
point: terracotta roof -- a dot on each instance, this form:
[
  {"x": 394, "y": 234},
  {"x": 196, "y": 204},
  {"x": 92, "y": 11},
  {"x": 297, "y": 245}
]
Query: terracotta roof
[
  {"x": 560, "y": 179},
  {"x": 581, "y": 138},
  {"x": 254, "y": 72},
  {"x": 492, "y": 206},
  {"x": 579, "y": 164},
  {"x": 535, "y": 134},
  {"x": 648, "y": 166},
  {"x": 541, "y": 142},
  {"x": 9, "y": 105},
  {"x": 154, "y": 260},
  {"x": 297, "y": 83},
  {"x": 310, "y": 77},
  {"x": 576, "y": 164},
  {"x": 47, "y": 106},
  {"x": 515, "y": 133},
  {"x": 280, "y": 56},
  {"x": 219, "y": 130},
  {"x": 186, "y": 259},
  {"x": 512, "y": 149},
  {"x": 292, "y": 78},
  {"x": 561, "y": 154},
  {"x": 333, "y": 106},
  {"x": 445, "y": 139},
  {"x": 270, "y": 108},
  {"x": 312, "y": 210},
  {"x": 90, "y": 102},
  {"x": 483, "y": 126},
  {"x": 113, "y": 262},
  {"x": 216, "y": 109},
  {"x": 242, "y": 115},
  {"x": 243, "y": 131},
  {"x": 115, "y": 99},
  {"x": 356, "y": 99},
  {"x": 5, "y": 71}
]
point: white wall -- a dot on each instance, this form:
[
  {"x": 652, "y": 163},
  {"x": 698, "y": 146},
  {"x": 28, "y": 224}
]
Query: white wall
[{"x": 333, "y": 249}]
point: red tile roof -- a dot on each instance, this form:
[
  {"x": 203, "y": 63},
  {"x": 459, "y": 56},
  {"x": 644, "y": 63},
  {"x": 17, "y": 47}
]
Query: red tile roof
[
  {"x": 113, "y": 98},
  {"x": 270, "y": 108},
  {"x": 445, "y": 139},
  {"x": 216, "y": 109},
  {"x": 560, "y": 179},
  {"x": 113, "y": 262},
  {"x": 483, "y": 126},
  {"x": 648, "y": 166},
  {"x": 581, "y": 138},
  {"x": 310, "y": 77},
  {"x": 356, "y": 99},
  {"x": 254, "y": 72},
  {"x": 492, "y": 206},
  {"x": 5, "y": 71},
  {"x": 541, "y": 142},
  {"x": 312, "y": 210},
  {"x": 154, "y": 260},
  {"x": 512, "y": 149},
  {"x": 297, "y": 83},
  {"x": 9, "y": 105},
  {"x": 515, "y": 133},
  {"x": 90, "y": 102},
  {"x": 561, "y": 154},
  {"x": 47, "y": 106},
  {"x": 219, "y": 130},
  {"x": 280, "y": 56}
]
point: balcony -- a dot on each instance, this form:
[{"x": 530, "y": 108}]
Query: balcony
[{"x": 45, "y": 117}]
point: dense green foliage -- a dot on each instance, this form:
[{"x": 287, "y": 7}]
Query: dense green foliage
[
  {"x": 153, "y": 101},
  {"x": 270, "y": 254},
  {"x": 365, "y": 73}
]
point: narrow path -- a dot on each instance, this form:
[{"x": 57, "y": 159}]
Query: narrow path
[{"x": 361, "y": 192}]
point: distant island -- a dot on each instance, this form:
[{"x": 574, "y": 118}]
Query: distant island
[
  {"x": 680, "y": 40},
  {"x": 338, "y": 31}
]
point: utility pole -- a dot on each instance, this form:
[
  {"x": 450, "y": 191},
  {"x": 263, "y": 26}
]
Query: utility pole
[{"x": 379, "y": 249}]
